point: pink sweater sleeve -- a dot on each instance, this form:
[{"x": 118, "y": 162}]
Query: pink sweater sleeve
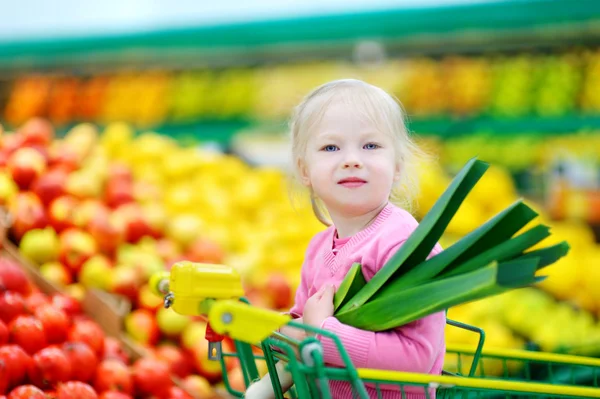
[{"x": 411, "y": 348}]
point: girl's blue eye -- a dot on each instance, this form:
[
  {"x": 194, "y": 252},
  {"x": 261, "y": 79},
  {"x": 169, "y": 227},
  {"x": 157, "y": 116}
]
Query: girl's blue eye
[
  {"x": 371, "y": 146},
  {"x": 330, "y": 148}
]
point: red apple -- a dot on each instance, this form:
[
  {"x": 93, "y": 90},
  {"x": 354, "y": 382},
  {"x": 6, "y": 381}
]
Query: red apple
[
  {"x": 57, "y": 273},
  {"x": 50, "y": 186},
  {"x": 61, "y": 213},
  {"x": 132, "y": 217},
  {"x": 210, "y": 369},
  {"x": 28, "y": 213},
  {"x": 141, "y": 326},
  {"x": 151, "y": 377},
  {"x": 113, "y": 349},
  {"x": 126, "y": 281},
  {"x": 167, "y": 249},
  {"x": 198, "y": 386},
  {"x": 280, "y": 291},
  {"x": 83, "y": 360},
  {"x": 28, "y": 333},
  {"x": 109, "y": 234},
  {"x": 62, "y": 157},
  {"x": 156, "y": 217},
  {"x": 25, "y": 165},
  {"x": 37, "y": 131},
  {"x": 205, "y": 251},
  {"x": 148, "y": 300},
  {"x": 179, "y": 364},
  {"x": 118, "y": 192},
  {"x": 89, "y": 210},
  {"x": 120, "y": 172},
  {"x": 90, "y": 333},
  {"x": 50, "y": 366},
  {"x": 236, "y": 379},
  {"x": 12, "y": 305},
  {"x": 113, "y": 375},
  {"x": 76, "y": 246},
  {"x": 12, "y": 142},
  {"x": 55, "y": 321}
]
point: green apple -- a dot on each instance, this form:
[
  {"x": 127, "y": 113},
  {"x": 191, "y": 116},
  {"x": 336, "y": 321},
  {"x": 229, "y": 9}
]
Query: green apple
[{"x": 40, "y": 245}]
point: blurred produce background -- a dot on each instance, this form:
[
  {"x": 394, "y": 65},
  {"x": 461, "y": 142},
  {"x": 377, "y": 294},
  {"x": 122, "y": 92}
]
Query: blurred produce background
[{"x": 125, "y": 151}]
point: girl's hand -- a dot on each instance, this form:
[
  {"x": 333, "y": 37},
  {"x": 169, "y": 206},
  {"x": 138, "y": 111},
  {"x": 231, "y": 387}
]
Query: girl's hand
[
  {"x": 319, "y": 306},
  {"x": 292, "y": 332}
]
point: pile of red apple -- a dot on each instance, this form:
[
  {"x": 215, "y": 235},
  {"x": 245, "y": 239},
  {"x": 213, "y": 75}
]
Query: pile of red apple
[
  {"x": 50, "y": 349},
  {"x": 80, "y": 219}
]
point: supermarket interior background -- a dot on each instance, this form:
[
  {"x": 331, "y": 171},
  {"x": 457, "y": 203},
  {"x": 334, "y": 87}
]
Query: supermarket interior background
[{"x": 155, "y": 131}]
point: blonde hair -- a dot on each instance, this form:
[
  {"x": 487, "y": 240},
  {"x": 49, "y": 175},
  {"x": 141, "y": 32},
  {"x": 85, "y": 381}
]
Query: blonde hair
[{"x": 381, "y": 109}]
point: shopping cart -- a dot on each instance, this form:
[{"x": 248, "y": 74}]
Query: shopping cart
[{"x": 216, "y": 291}]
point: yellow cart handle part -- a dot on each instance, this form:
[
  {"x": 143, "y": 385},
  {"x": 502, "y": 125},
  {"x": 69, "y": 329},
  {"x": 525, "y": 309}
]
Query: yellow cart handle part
[
  {"x": 523, "y": 355},
  {"x": 477, "y": 383},
  {"x": 243, "y": 322}
]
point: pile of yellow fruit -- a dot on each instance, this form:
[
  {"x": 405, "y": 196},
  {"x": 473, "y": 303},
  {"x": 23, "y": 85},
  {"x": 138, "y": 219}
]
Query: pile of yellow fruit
[{"x": 248, "y": 210}]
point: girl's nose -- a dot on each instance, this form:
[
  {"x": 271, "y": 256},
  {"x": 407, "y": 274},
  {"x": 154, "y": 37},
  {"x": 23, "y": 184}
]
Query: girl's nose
[{"x": 352, "y": 163}]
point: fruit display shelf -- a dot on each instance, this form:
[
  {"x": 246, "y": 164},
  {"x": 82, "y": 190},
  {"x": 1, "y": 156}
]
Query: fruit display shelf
[
  {"x": 106, "y": 209},
  {"x": 70, "y": 344},
  {"x": 454, "y": 95}
]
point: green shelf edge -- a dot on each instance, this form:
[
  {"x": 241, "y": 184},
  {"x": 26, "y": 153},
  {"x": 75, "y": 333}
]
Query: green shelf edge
[{"x": 424, "y": 27}]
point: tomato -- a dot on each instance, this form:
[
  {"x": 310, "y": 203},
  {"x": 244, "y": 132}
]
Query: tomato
[
  {"x": 67, "y": 303},
  {"x": 113, "y": 375},
  {"x": 50, "y": 366},
  {"x": 178, "y": 393},
  {"x": 35, "y": 300},
  {"x": 27, "y": 392},
  {"x": 115, "y": 395},
  {"x": 13, "y": 278},
  {"x": 151, "y": 377},
  {"x": 55, "y": 322},
  {"x": 4, "y": 377},
  {"x": 83, "y": 360},
  {"x": 113, "y": 349},
  {"x": 3, "y": 333},
  {"x": 76, "y": 390},
  {"x": 90, "y": 333},
  {"x": 28, "y": 333},
  {"x": 19, "y": 362},
  {"x": 12, "y": 305},
  {"x": 179, "y": 364}
]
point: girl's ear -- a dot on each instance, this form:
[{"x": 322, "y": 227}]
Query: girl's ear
[{"x": 303, "y": 172}]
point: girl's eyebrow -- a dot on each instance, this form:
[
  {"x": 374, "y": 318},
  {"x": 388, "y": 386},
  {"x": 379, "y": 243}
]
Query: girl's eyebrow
[{"x": 328, "y": 136}]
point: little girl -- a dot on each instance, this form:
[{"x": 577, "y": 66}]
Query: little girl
[{"x": 352, "y": 150}]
